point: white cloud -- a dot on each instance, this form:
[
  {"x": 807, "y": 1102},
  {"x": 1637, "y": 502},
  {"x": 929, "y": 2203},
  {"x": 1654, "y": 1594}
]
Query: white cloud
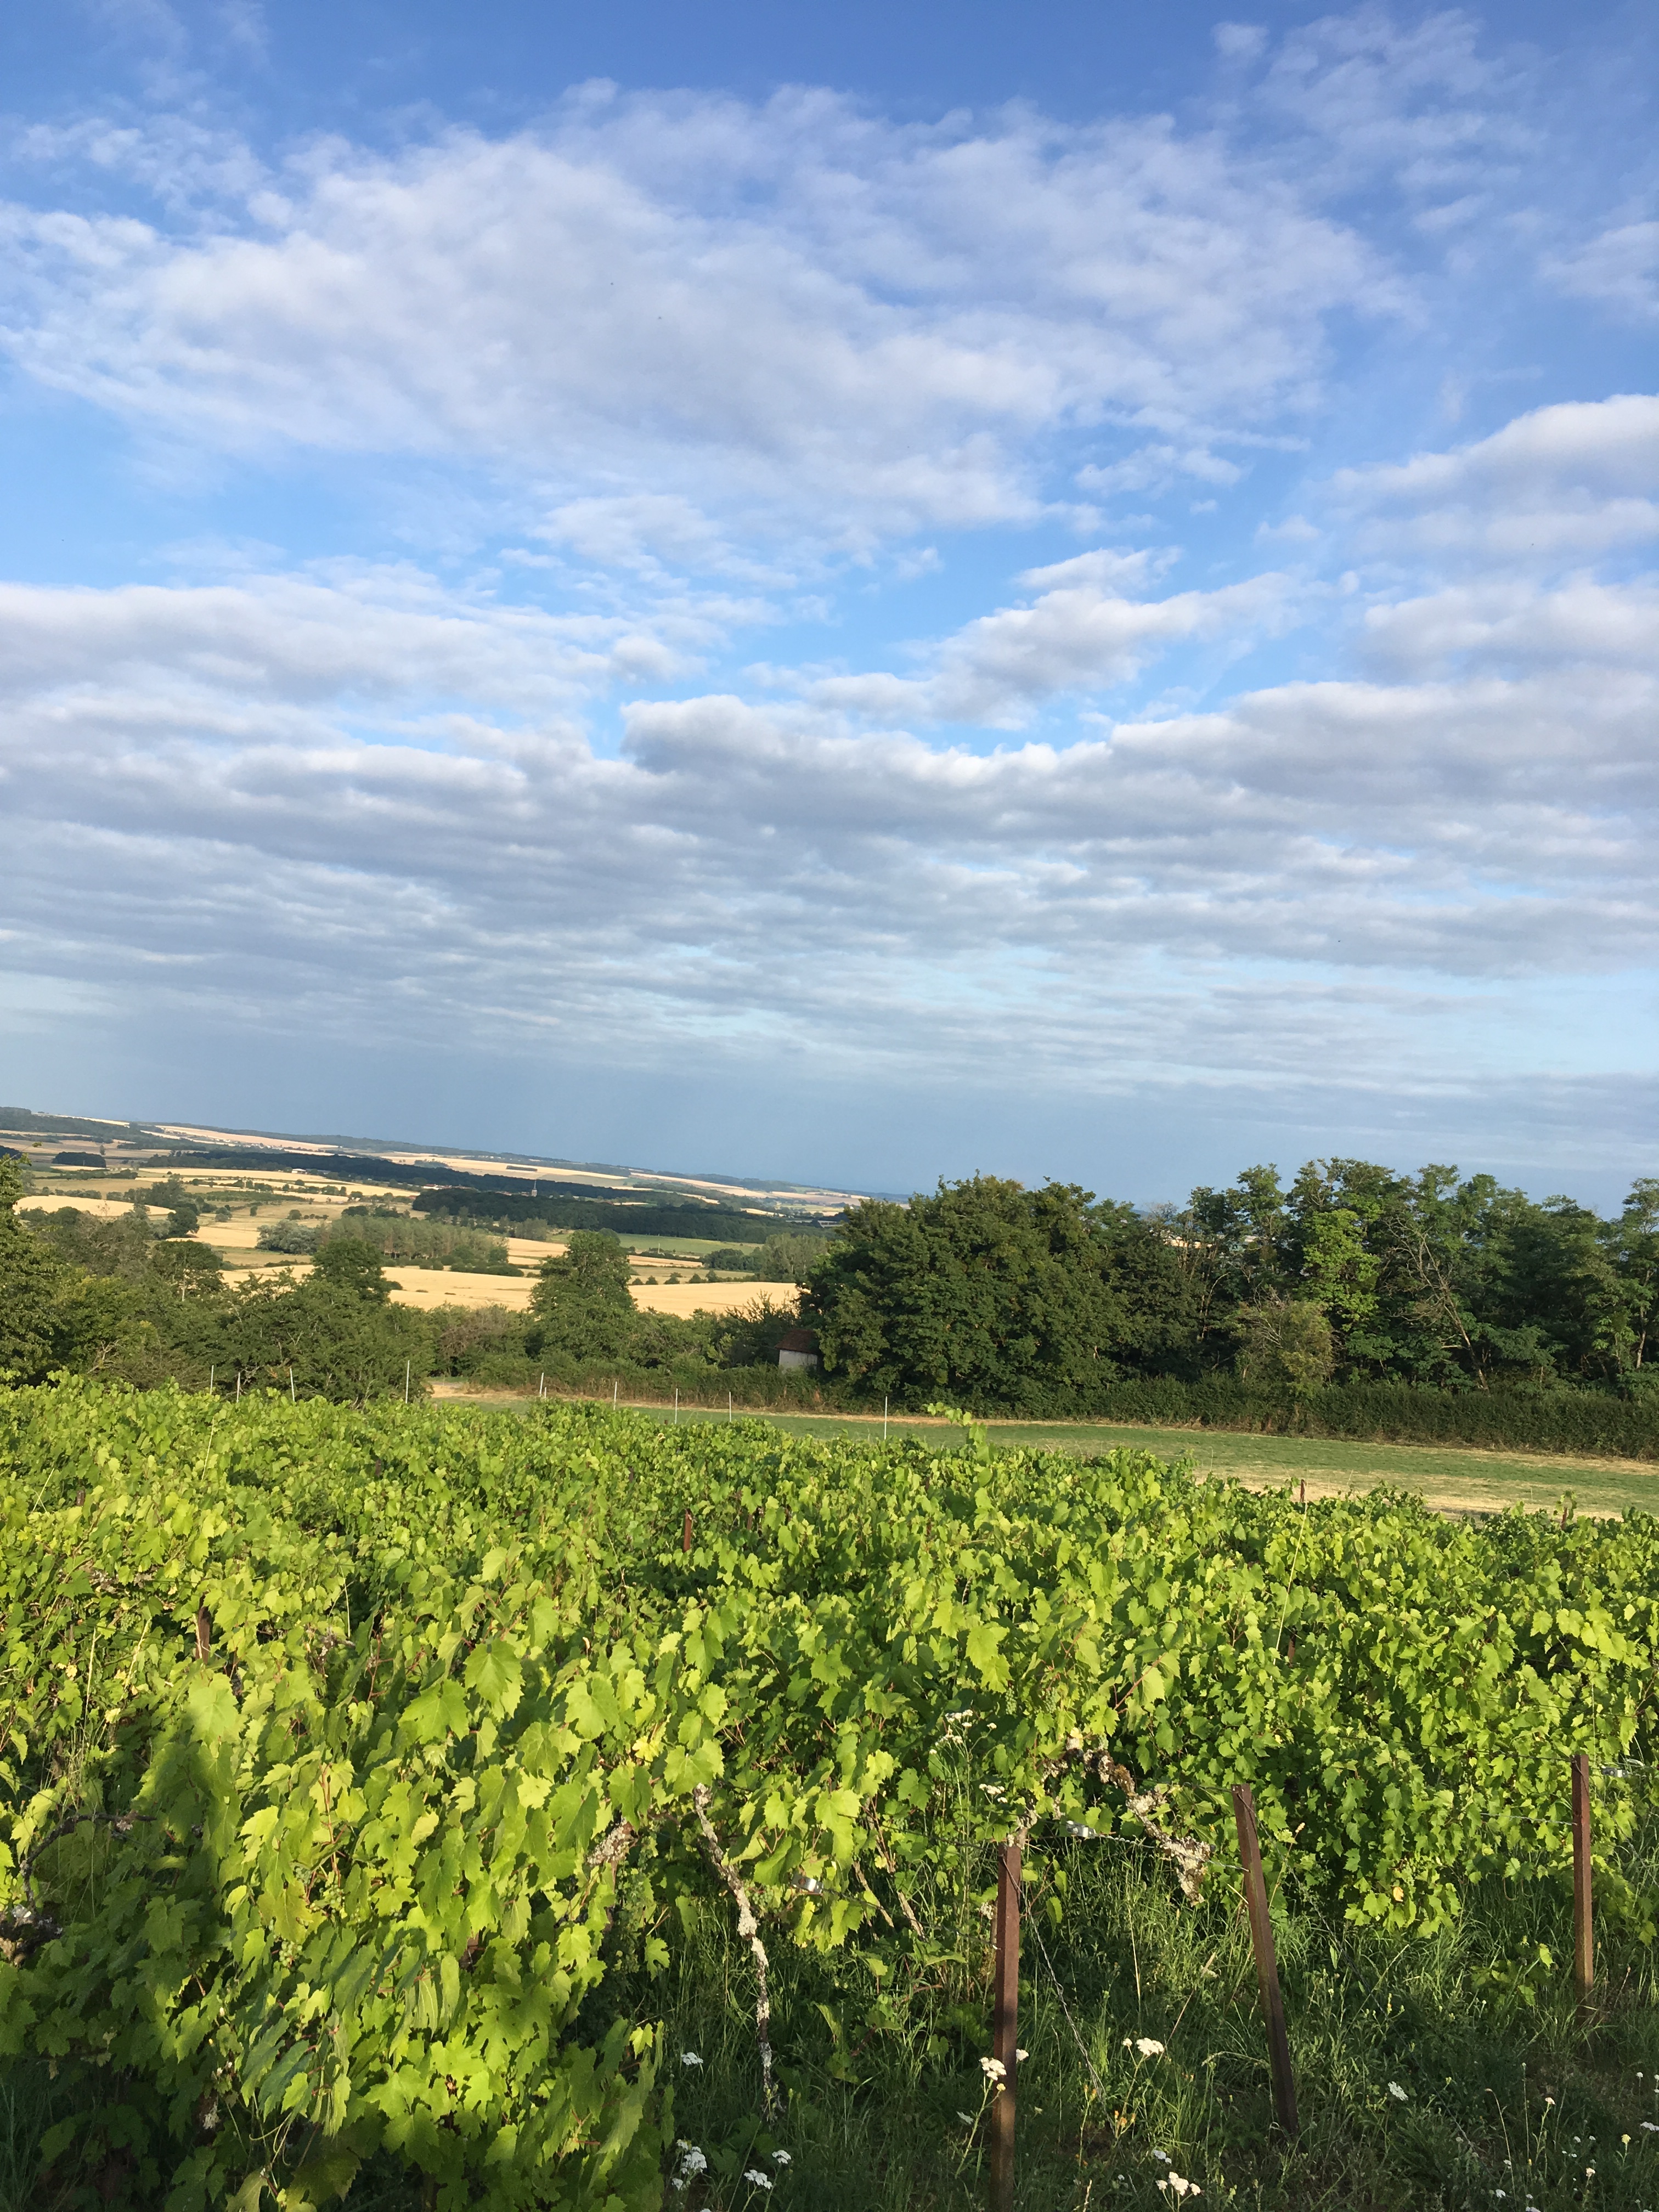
[
  {"x": 1568, "y": 481},
  {"x": 250, "y": 801},
  {"x": 364, "y": 638},
  {"x": 1077, "y": 635},
  {"x": 1414, "y": 101},
  {"x": 1619, "y": 268},
  {"x": 795, "y": 304},
  {"x": 1502, "y": 624},
  {"x": 1155, "y": 468}
]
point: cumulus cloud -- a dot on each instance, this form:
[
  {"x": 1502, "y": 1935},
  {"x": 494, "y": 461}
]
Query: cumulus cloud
[
  {"x": 797, "y": 303},
  {"x": 253, "y": 805},
  {"x": 1077, "y": 637},
  {"x": 1571, "y": 481},
  {"x": 1501, "y": 623},
  {"x": 674, "y": 336}
]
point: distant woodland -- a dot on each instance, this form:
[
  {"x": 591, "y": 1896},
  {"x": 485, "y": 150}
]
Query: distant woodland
[{"x": 1353, "y": 1300}]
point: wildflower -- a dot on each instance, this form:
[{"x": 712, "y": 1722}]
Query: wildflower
[
  {"x": 1022, "y": 2055},
  {"x": 781, "y": 2158},
  {"x": 689, "y": 2058},
  {"x": 1082, "y": 1831},
  {"x": 1625, "y": 2140},
  {"x": 1179, "y": 2186},
  {"x": 1396, "y": 2092},
  {"x": 692, "y": 2160},
  {"x": 968, "y": 2118},
  {"x": 1162, "y": 2156},
  {"x": 1149, "y": 2046},
  {"x": 759, "y": 2180},
  {"x": 1548, "y": 2101},
  {"x": 993, "y": 2070},
  {"x": 1650, "y": 2127}
]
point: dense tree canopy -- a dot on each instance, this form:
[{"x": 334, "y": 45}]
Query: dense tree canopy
[
  {"x": 580, "y": 1305},
  {"x": 982, "y": 1293},
  {"x": 1022, "y": 1299},
  {"x": 1004, "y": 1295}
]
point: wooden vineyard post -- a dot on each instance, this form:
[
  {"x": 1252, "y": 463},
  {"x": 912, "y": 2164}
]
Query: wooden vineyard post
[
  {"x": 1005, "y": 2032},
  {"x": 1267, "y": 1966},
  {"x": 685, "y": 1533},
  {"x": 1583, "y": 1924},
  {"x": 204, "y": 1634}
]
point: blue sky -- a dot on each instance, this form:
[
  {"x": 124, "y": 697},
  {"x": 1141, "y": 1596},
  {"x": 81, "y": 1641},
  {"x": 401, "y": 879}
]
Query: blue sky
[{"x": 842, "y": 594}]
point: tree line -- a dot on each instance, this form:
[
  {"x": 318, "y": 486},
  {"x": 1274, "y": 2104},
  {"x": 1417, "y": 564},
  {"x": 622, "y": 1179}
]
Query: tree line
[
  {"x": 1353, "y": 1280},
  {"x": 1014, "y": 1298},
  {"x": 135, "y": 1299}
]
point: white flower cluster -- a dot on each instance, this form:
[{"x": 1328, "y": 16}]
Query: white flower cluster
[
  {"x": 693, "y": 2161},
  {"x": 1147, "y": 2045},
  {"x": 1177, "y": 2186}
]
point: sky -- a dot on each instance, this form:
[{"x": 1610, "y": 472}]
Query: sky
[{"x": 849, "y": 595}]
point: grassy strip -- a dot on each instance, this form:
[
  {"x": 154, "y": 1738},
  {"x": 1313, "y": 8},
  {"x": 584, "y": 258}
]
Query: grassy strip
[
  {"x": 1561, "y": 1423},
  {"x": 1459, "y": 1478},
  {"x": 1146, "y": 2059}
]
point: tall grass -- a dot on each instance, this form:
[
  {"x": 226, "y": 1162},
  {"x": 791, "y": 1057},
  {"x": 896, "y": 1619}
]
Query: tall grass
[{"x": 1509, "y": 2100}]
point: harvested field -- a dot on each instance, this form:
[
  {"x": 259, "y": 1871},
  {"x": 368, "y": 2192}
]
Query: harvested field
[{"x": 683, "y": 1298}]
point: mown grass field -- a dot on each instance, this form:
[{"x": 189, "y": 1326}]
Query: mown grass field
[{"x": 1453, "y": 1477}]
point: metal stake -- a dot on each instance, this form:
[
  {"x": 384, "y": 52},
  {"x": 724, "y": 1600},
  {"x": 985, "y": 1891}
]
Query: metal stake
[
  {"x": 1267, "y": 1966},
  {"x": 1005, "y": 2028},
  {"x": 1583, "y": 1924},
  {"x": 408, "y": 1364},
  {"x": 292, "y": 1399}
]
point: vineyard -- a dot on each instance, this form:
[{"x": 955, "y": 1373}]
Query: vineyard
[{"x": 432, "y": 1808}]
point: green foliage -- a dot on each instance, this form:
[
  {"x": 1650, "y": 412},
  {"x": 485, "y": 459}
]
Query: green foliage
[
  {"x": 1047, "y": 1302},
  {"x": 33, "y": 1282},
  {"x": 403, "y": 1239},
  {"x": 1008, "y": 1298},
  {"x": 184, "y": 1213},
  {"x": 391, "y": 1872},
  {"x": 325, "y": 1338},
  {"x": 349, "y": 1264},
  {"x": 581, "y": 1305},
  {"x": 1285, "y": 1345}
]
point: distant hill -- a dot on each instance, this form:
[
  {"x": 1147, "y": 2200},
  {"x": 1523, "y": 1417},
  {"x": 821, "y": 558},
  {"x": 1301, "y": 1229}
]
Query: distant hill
[{"x": 23, "y": 1121}]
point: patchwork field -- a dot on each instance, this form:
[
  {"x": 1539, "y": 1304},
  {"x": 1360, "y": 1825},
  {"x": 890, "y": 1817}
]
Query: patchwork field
[{"x": 237, "y": 1243}]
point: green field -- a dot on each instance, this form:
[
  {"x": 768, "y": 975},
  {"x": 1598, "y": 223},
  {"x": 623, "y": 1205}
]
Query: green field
[{"x": 1455, "y": 1478}]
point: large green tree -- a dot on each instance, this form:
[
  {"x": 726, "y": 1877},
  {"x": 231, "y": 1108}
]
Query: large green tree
[
  {"x": 581, "y": 1308},
  {"x": 1009, "y": 1298}
]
